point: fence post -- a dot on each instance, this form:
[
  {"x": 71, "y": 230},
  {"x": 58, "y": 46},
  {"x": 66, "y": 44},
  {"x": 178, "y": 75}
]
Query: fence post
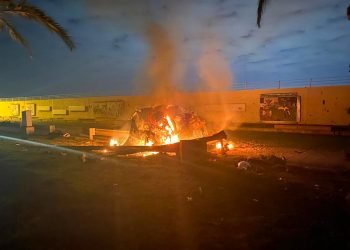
[
  {"x": 92, "y": 132},
  {"x": 279, "y": 84},
  {"x": 245, "y": 85},
  {"x": 310, "y": 83}
]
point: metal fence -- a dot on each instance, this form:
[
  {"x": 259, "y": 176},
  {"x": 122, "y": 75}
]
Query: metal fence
[
  {"x": 46, "y": 97},
  {"x": 280, "y": 84},
  {"x": 296, "y": 83}
]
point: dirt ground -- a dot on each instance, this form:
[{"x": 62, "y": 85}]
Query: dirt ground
[{"x": 51, "y": 199}]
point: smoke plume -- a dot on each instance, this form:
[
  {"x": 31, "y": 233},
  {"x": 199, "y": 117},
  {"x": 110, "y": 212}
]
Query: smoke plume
[{"x": 184, "y": 50}]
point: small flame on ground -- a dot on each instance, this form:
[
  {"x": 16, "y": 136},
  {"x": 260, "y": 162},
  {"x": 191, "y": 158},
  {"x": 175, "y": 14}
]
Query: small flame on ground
[
  {"x": 113, "y": 143},
  {"x": 145, "y": 154},
  {"x": 230, "y": 146}
]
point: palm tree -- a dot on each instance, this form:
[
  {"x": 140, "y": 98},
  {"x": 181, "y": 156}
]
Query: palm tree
[
  {"x": 22, "y": 9},
  {"x": 260, "y": 11}
]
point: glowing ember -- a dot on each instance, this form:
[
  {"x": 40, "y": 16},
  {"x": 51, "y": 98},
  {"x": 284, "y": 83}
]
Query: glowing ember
[
  {"x": 113, "y": 143},
  {"x": 149, "y": 143},
  {"x": 145, "y": 154},
  {"x": 218, "y": 145}
]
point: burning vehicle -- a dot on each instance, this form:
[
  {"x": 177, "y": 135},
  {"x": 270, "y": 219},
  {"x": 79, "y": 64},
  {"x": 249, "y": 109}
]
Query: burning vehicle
[
  {"x": 165, "y": 124},
  {"x": 169, "y": 129}
]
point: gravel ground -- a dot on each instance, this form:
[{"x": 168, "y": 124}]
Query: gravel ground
[{"x": 51, "y": 199}]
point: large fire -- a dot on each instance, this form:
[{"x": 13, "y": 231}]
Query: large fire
[
  {"x": 166, "y": 132},
  {"x": 163, "y": 125}
]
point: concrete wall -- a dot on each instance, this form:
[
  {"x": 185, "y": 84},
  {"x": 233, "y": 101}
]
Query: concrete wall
[{"x": 319, "y": 105}]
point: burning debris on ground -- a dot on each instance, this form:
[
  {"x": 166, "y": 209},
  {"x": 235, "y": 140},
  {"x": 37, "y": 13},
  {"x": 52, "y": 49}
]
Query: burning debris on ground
[
  {"x": 185, "y": 150},
  {"x": 173, "y": 130},
  {"x": 165, "y": 124}
]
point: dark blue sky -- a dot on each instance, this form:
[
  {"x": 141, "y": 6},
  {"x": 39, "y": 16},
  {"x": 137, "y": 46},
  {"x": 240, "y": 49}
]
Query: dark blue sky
[{"x": 124, "y": 46}]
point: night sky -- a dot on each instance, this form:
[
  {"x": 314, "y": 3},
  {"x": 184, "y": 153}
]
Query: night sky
[{"x": 120, "y": 43}]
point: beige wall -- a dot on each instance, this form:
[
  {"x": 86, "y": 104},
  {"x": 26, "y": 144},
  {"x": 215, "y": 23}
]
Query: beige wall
[{"x": 216, "y": 106}]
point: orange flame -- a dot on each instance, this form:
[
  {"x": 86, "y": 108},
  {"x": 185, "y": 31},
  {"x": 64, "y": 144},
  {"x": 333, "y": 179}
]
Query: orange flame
[
  {"x": 113, "y": 143},
  {"x": 218, "y": 145}
]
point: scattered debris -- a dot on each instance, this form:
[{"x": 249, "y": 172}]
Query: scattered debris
[
  {"x": 255, "y": 200},
  {"x": 83, "y": 158},
  {"x": 189, "y": 198},
  {"x": 274, "y": 159},
  {"x": 66, "y": 135},
  {"x": 266, "y": 162},
  {"x": 200, "y": 190},
  {"x": 57, "y": 134},
  {"x": 243, "y": 165}
]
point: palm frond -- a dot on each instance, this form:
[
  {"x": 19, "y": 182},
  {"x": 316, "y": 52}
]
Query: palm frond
[
  {"x": 260, "y": 11},
  {"x": 33, "y": 13},
  {"x": 14, "y": 34}
]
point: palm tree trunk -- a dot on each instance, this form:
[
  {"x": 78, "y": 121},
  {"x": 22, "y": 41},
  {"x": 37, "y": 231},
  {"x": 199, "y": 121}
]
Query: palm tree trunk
[{"x": 260, "y": 11}]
